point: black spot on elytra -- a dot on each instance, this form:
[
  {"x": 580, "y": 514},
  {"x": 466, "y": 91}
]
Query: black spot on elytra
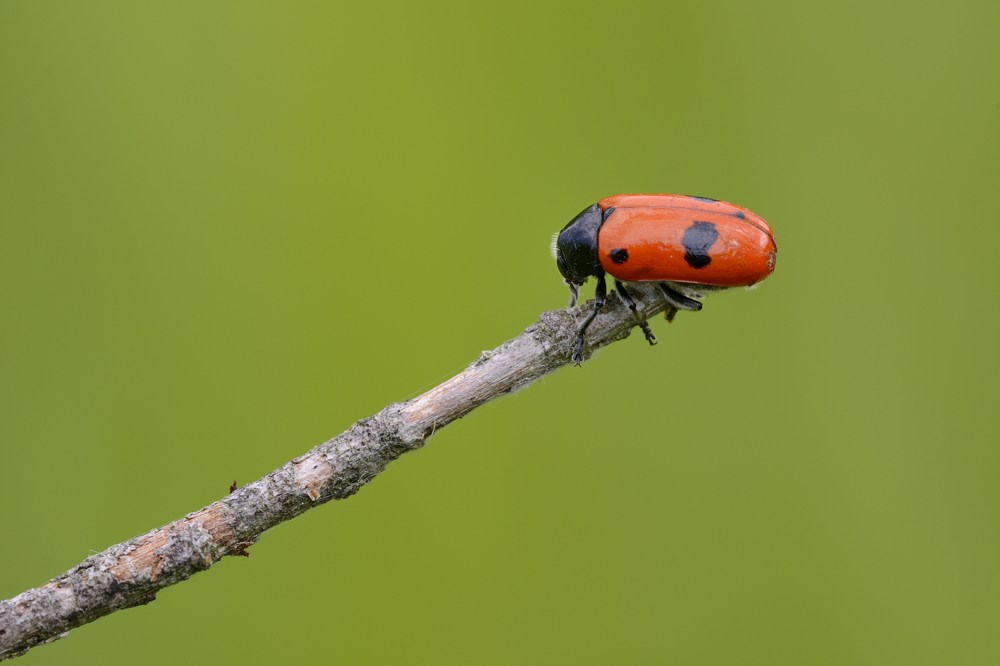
[
  {"x": 739, "y": 215},
  {"x": 698, "y": 240},
  {"x": 619, "y": 255}
]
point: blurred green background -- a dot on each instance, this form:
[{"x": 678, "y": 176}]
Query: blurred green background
[{"x": 230, "y": 229}]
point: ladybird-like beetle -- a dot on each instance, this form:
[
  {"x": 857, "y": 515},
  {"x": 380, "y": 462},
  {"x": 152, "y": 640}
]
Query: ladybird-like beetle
[{"x": 688, "y": 245}]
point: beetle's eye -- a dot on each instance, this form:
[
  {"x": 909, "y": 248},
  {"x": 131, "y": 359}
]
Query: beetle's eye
[{"x": 561, "y": 265}]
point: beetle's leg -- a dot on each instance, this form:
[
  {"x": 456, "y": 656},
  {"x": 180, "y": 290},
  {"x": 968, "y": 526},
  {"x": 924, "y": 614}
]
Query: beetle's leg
[
  {"x": 574, "y": 291},
  {"x": 630, "y": 302},
  {"x": 669, "y": 313},
  {"x": 677, "y": 300},
  {"x": 600, "y": 295}
]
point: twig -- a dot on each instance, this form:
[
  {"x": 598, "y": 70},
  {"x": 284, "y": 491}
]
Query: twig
[{"x": 130, "y": 573}]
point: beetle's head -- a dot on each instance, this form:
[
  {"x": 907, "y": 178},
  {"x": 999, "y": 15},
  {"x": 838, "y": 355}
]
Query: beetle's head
[{"x": 576, "y": 248}]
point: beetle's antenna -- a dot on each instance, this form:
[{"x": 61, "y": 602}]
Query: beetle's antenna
[
  {"x": 554, "y": 245},
  {"x": 574, "y": 291}
]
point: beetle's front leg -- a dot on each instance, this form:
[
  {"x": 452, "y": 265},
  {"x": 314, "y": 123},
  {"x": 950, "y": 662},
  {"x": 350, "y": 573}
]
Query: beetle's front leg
[{"x": 600, "y": 296}]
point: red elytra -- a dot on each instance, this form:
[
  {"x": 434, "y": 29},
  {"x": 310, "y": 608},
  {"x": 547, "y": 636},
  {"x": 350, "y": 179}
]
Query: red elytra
[{"x": 676, "y": 238}]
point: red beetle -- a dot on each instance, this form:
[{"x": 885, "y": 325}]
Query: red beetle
[{"x": 671, "y": 239}]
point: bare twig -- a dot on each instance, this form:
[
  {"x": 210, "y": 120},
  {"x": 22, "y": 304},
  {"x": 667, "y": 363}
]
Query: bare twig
[{"x": 130, "y": 573}]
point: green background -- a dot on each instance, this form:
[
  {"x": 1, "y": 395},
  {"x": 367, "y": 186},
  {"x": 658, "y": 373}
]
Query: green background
[{"x": 229, "y": 230}]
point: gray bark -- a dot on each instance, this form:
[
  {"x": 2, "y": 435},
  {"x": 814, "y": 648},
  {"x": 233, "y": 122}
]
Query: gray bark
[{"x": 130, "y": 573}]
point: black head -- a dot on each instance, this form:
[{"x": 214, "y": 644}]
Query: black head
[{"x": 576, "y": 247}]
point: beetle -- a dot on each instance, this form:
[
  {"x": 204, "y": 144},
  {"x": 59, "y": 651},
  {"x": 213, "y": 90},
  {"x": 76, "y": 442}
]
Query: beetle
[{"x": 686, "y": 244}]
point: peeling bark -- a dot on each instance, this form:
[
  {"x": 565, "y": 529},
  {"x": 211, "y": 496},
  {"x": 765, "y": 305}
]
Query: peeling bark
[{"x": 130, "y": 573}]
